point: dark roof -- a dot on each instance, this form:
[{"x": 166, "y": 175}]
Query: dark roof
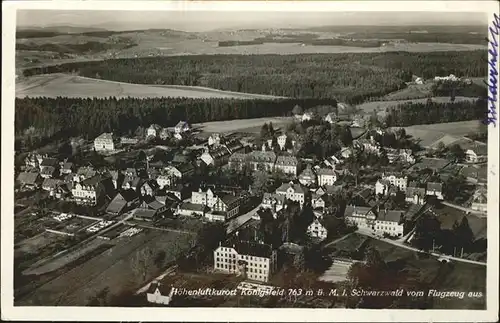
[
  {"x": 49, "y": 162},
  {"x": 155, "y": 204},
  {"x": 287, "y": 161},
  {"x": 250, "y": 248},
  {"x": 67, "y": 165},
  {"x": 390, "y": 215},
  {"x": 193, "y": 207},
  {"x": 129, "y": 195},
  {"x": 93, "y": 181},
  {"x": 48, "y": 170},
  {"x": 117, "y": 204},
  {"x": 51, "y": 182},
  {"x": 229, "y": 199},
  {"x": 144, "y": 213},
  {"x": 28, "y": 177},
  {"x": 325, "y": 171}
]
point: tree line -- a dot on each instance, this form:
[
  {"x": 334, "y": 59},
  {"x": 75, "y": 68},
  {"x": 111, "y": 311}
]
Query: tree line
[
  {"x": 91, "y": 117},
  {"x": 432, "y": 112},
  {"x": 349, "y": 77}
]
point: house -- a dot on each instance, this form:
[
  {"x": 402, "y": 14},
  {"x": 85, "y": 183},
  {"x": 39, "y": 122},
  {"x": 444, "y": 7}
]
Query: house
[
  {"x": 287, "y": 164},
  {"x": 389, "y": 222},
  {"x": 165, "y": 180},
  {"x": 88, "y": 191},
  {"x": 66, "y": 168},
  {"x": 396, "y": 180},
  {"x": 361, "y": 216},
  {"x": 204, "y": 197},
  {"x": 214, "y": 140},
  {"x": 282, "y": 141},
  {"x": 123, "y": 202},
  {"x": 132, "y": 183},
  {"x": 317, "y": 229},
  {"x": 320, "y": 201},
  {"x": 157, "y": 205},
  {"x": 254, "y": 261},
  {"x": 326, "y": 176},
  {"x": 180, "y": 171},
  {"x": 48, "y": 172},
  {"x": 164, "y": 134},
  {"x": 292, "y": 191},
  {"x": 307, "y": 177},
  {"x": 159, "y": 294},
  {"x": 31, "y": 161},
  {"x": 182, "y": 127},
  {"x": 332, "y": 161},
  {"x": 382, "y": 187},
  {"x": 191, "y": 209},
  {"x": 84, "y": 173},
  {"x": 435, "y": 189},
  {"x": 419, "y": 80},
  {"x": 480, "y": 200},
  {"x": 149, "y": 188},
  {"x": 234, "y": 145},
  {"x": 272, "y": 201},
  {"x": 407, "y": 156},
  {"x": 50, "y": 185},
  {"x": 128, "y": 141},
  {"x": 180, "y": 191},
  {"x": 415, "y": 194},
  {"x": 216, "y": 157},
  {"x": 262, "y": 160},
  {"x": 62, "y": 191},
  {"x": 229, "y": 205},
  {"x": 104, "y": 143},
  {"x": 307, "y": 116},
  {"x": 331, "y": 117},
  {"x": 368, "y": 145},
  {"x": 153, "y": 131},
  {"x": 477, "y": 154},
  {"x": 145, "y": 214}
]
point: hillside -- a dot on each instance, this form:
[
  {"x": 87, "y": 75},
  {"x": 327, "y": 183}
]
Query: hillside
[{"x": 54, "y": 85}]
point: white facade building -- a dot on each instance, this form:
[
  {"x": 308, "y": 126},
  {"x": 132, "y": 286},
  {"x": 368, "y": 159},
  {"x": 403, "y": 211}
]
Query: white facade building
[{"x": 104, "y": 142}]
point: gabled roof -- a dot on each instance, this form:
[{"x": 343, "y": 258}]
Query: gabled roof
[
  {"x": 363, "y": 210},
  {"x": 296, "y": 187},
  {"x": 229, "y": 199},
  {"x": 250, "y": 248},
  {"x": 181, "y": 124},
  {"x": 51, "y": 183},
  {"x": 272, "y": 196},
  {"x": 144, "y": 213},
  {"x": 193, "y": 207},
  {"x": 390, "y": 215},
  {"x": 28, "y": 177},
  {"x": 163, "y": 289},
  {"x": 105, "y": 136},
  {"x": 326, "y": 171},
  {"x": 67, "y": 165},
  {"x": 49, "y": 162},
  {"x": 307, "y": 172},
  {"x": 93, "y": 181},
  {"x": 117, "y": 204}
]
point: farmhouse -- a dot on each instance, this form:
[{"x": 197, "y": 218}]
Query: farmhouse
[
  {"x": 477, "y": 154},
  {"x": 159, "y": 294},
  {"x": 287, "y": 164},
  {"x": 153, "y": 131},
  {"x": 254, "y": 261},
  {"x": 104, "y": 143}
]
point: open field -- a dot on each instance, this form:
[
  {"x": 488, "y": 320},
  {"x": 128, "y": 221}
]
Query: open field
[
  {"x": 118, "y": 269},
  {"x": 430, "y": 134},
  {"x": 54, "y": 85},
  {"x": 242, "y": 125},
  {"x": 34, "y": 244},
  {"x": 413, "y": 91}
]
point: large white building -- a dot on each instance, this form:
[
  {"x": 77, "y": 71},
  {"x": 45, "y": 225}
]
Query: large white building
[
  {"x": 153, "y": 131},
  {"x": 287, "y": 164},
  {"x": 253, "y": 261},
  {"x": 104, "y": 142},
  {"x": 389, "y": 222},
  {"x": 362, "y": 217},
  {"x": 204, "y": 197},
  {"x": 159, "y": 294},
  {"x": 326, "y": 176},
  {"x": 401, "y": 182},
  {"x": 88, "y": 191}
]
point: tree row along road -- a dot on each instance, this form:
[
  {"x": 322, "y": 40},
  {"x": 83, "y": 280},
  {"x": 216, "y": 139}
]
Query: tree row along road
[{"x": 399, "y": 244}]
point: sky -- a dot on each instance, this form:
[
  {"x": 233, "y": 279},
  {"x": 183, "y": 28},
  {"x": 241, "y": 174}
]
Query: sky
[{"x": 206, "y": 21}]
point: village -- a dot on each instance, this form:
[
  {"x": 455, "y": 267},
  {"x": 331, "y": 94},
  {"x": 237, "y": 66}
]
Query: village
[{"x": 275, "y": 193}]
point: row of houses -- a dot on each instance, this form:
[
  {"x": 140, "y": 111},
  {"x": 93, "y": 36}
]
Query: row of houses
[{"x": 266, "y": 161}]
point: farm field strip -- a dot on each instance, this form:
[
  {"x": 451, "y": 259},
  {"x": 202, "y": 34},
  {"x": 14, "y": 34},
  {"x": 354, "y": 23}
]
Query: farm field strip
[{"x": 54, "y": 85}]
